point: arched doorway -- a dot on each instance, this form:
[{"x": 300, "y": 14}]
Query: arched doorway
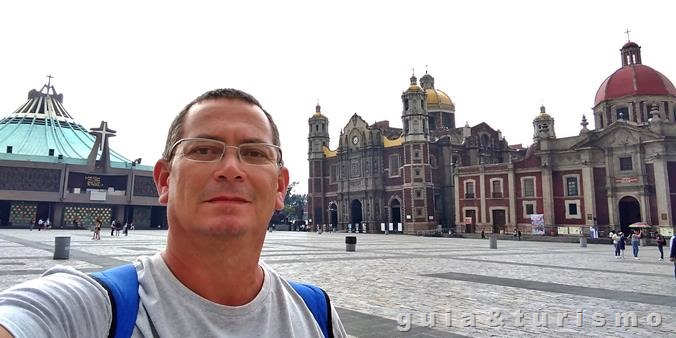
[
  {"x": 630, "y": 212},
  {"x": 395, "y": 214},
  {"x": 333, "y": 216},
  {"x": 355, "y": 208}
]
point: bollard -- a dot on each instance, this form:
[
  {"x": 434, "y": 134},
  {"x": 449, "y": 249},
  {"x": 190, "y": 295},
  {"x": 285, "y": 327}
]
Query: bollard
[
  {"x": 61, "y": 247},
  {"x": 350, "y": 243},
  {"x": 493, "y": 241},
  {"x": 583, "y": 242}
]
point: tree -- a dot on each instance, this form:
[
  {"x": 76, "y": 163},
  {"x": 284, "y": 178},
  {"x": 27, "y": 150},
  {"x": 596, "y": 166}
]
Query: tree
[{"x": 294, "y": 204}]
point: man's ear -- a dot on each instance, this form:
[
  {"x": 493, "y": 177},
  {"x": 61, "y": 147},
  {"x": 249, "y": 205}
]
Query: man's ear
[
  {"x": 282, "y": 184},
  {"x": 161, "y": 178}
]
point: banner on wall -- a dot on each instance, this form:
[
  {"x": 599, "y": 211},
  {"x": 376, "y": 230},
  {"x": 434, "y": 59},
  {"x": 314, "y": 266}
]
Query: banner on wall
[{"x": 538, "y": 224}]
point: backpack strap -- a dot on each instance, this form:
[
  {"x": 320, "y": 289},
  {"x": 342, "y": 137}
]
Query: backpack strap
[
  {"x": 121, "y": 282},
  {"x": 318, "y": 302}
]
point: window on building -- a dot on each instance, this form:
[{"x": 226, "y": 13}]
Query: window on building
[
  {"x": 622, "y": 113},
  {"x": 334, "y": 171},
  {"x": 416, "y": 173},
  {"x": 416, "y": 154},
  {"x": 528, "y": 187},
  {"x": 572, "y": 209},
  {"x": 626, "y": 164},
  {"x": 433, "y": 161},
  {"x": 418, "y": 211},
  {"x": 9, "y": 149},
  {"x": 496, "y": 188},
  {"x": 530, "y": 208},
  {"x": 418, "y": 194},
  {"x": 469, "y": 189},
  {"x": 572, "y": 186},
  {"x": 394, "y": 165}
]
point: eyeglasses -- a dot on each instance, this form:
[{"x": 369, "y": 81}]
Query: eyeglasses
[{"x": 208, "y": 150}]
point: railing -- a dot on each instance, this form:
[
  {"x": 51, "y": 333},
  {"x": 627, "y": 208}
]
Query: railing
[
  {"x": 496, "y": 194},
  {"x": 469, "y": 195}
]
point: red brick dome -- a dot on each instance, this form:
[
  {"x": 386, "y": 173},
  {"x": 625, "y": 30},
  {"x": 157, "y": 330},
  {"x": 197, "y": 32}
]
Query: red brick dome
[{"x": 633, "y": 78}]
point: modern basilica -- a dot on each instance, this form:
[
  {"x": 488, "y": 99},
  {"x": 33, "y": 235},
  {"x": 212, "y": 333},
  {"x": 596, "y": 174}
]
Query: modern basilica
[{"x": 51, "y": 167}]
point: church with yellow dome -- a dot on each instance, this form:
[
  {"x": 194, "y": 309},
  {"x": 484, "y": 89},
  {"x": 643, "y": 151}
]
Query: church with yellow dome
[
  {"x": 387, "y": 179},
  {"x": 431, "y": 175}
]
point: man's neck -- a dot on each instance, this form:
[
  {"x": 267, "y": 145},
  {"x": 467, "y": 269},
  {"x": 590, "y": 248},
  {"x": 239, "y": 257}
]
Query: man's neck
[{"x": 223, "y": 273}]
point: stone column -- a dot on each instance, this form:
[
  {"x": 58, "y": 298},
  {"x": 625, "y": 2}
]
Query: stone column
[
  {"x": 458, "y": 212},
  {"x": 547, "y": 192},
  {"x": 588, "y": 192},
  {"x": 57, "y": 215},
  {"x": 512, "y": 195},
  {"x": 662, "y": 191},
  {"x": 484, "y": 195}
]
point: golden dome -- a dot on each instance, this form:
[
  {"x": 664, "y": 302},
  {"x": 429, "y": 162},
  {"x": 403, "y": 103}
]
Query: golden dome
[
  {"x": 437, "y": 97},
  {"x": 414, "y": 88},
  {"x": 543, "y": 115}
]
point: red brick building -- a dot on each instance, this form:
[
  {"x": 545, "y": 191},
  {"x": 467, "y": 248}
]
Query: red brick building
[{"x": 622, "y": 171}]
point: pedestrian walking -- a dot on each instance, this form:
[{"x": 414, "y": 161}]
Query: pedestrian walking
[
  {"x": 635, "y": 237},
  {"x": 615, "y": 237},
  {"x": 483, "y": 234},
  {"x": 97, "y": 229},
  {"x": 661, "y": 241},
  {"x": 622, "y": 243},
  {"x": 40, "y": 224},
  {"x": 672, "y": 252},
  {"x": 518, "y": 232}
]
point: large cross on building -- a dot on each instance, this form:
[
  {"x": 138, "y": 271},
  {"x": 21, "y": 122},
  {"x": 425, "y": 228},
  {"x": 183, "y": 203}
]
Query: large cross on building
[{"x": 101, "y": 133}]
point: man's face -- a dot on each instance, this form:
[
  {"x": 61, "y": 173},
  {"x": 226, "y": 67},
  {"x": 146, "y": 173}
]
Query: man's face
[{"x": 227, "y": 197}]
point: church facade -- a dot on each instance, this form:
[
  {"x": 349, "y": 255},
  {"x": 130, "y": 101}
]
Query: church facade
[
  {"x": 431, "y": 173},
  {"x": 621, "y": 172},
  {"x": 51, "y": 167},
  {"x": 396, "y": 179}
]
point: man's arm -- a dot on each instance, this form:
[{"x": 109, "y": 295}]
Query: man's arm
[{"x": 62, "y": 303}]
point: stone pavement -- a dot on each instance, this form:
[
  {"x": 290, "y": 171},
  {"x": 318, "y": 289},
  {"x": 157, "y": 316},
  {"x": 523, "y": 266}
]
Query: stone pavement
[{"x": 392, "y": 283}]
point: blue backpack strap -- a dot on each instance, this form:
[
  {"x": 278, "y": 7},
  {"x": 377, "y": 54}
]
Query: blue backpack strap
[
  {"x": 121, "y": 282},
  {"x": 318, "y": 302}
]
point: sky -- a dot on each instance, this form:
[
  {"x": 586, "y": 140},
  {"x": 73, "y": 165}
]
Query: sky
[{"x": 135, "y": 64}]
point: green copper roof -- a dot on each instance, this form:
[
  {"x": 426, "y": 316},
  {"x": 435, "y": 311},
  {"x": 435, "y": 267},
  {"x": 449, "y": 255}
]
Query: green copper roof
[{"x": 42, "y": 128}]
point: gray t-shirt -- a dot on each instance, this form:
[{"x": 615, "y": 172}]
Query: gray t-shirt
[{"x": 65, "y": 302}]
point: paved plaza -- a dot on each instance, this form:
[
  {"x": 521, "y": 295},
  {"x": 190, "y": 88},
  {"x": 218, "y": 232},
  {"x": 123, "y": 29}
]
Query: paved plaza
[{"x": 394, "y": 282}]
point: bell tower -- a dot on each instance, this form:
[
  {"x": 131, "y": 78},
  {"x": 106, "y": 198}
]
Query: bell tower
[
  {"x": 318, "y": 135},
  {"x": 418, "y": 195},
  {"x": 414, "y": 116},
  {"x": 543, "y": 126}
]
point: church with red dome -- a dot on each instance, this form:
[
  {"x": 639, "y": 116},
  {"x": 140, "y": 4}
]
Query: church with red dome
[
  {"x": 621, "y": 171},
  {"x": 432, "y": 175}
]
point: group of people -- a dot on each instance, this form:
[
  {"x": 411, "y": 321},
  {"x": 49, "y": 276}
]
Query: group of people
[
  {"x": 41, "y": 224},
  {"x": 619, "y": 242},
  {"x": 116, "y": 226}
]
